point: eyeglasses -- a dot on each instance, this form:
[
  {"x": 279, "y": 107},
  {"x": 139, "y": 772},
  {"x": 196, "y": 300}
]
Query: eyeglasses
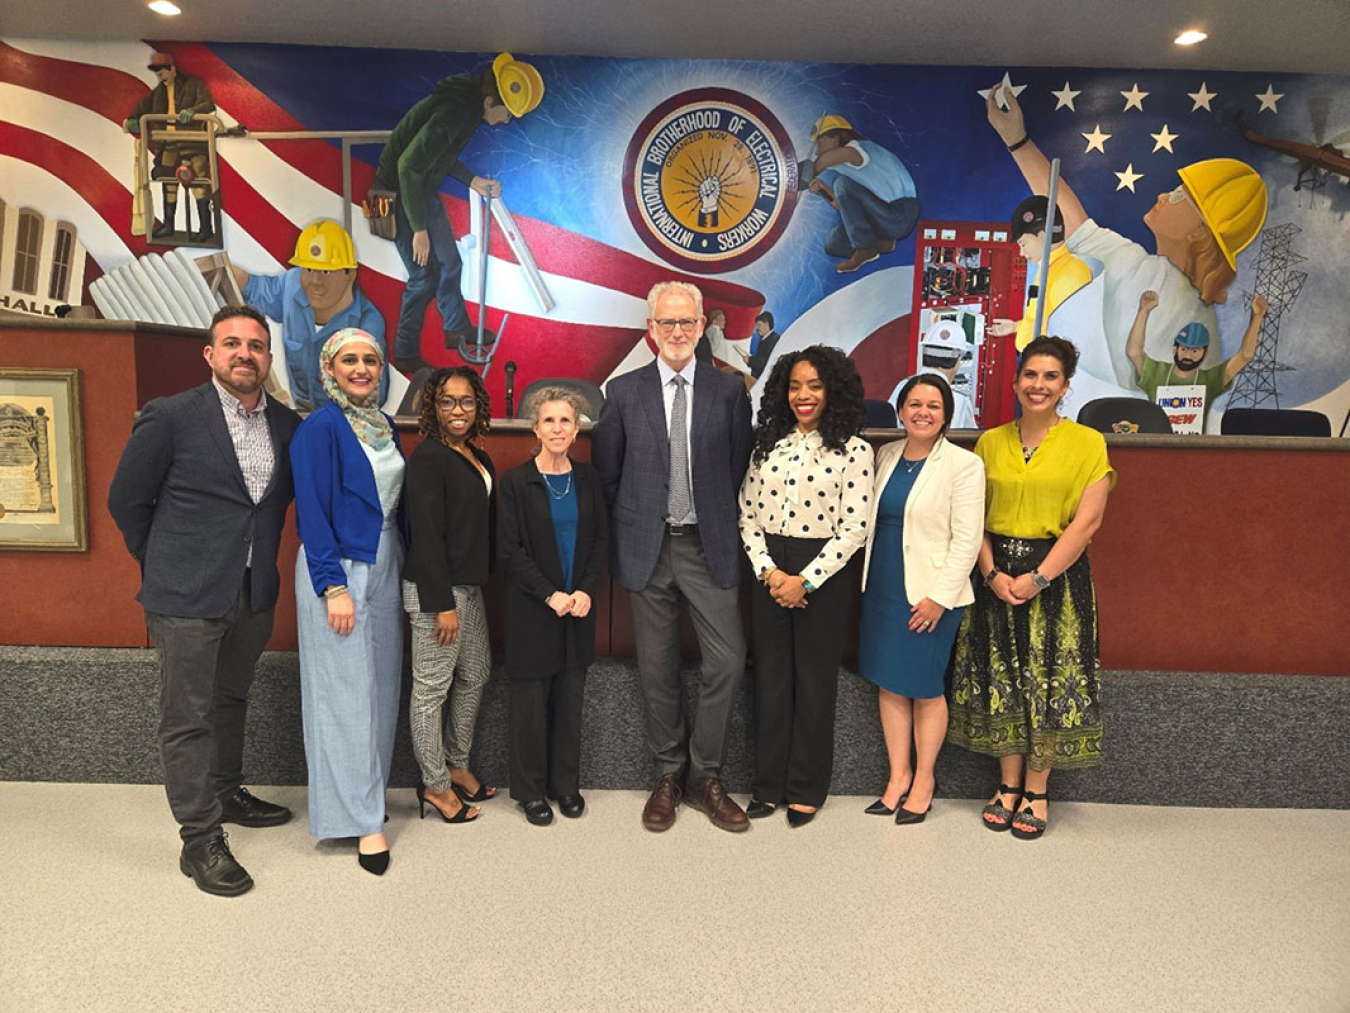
[
  {"x": 466, "y": 403},
  {"x": 668, "y": 326}
]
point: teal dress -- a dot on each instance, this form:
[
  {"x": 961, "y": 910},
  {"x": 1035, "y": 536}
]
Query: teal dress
[{"x": 891, "y": 654}]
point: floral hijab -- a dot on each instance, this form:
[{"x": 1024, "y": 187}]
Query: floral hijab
[{"x": 370, "y": 425}]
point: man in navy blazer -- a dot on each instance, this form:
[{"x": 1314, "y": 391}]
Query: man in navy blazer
[
  {"x": 200, "y": 496},
  {"x": 672, "y": 445}
]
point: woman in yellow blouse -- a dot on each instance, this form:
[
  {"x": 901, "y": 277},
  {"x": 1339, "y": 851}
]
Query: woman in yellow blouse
[
  {"x": 1025, "y": 687},
  {"x": 804, "y": 508}
]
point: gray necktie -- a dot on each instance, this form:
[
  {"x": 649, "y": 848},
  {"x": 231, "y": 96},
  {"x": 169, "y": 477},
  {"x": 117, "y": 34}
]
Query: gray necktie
[{"x": 679, "y": 501}]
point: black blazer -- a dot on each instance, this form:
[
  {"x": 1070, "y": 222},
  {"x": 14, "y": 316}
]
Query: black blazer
[
  {"x": 540, "y": 643},
  {"x": 184, "y": 511},
  {"x": 451, "y": 521}
]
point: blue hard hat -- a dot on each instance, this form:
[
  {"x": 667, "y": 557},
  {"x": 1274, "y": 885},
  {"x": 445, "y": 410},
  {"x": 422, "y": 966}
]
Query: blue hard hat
[{"x": 1193, "y": 335}]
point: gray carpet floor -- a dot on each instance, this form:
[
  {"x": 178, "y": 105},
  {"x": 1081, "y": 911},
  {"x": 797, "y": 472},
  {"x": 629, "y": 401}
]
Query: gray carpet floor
[{"x": 1117, "y": 908}]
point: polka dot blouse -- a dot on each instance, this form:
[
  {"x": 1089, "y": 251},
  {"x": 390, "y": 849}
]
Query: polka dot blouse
[{"x": 802, "y": 490}]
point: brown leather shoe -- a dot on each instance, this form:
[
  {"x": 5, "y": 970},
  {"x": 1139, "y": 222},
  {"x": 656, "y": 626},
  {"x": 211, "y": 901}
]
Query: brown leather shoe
[
  {"x": 857, "y": 259},
  {"x": 659, "y": 812},
  {"x": 708, "y": 796}
]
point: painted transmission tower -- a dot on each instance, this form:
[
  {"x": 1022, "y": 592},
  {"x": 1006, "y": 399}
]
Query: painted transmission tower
[{"x": 1255, "y": 385}]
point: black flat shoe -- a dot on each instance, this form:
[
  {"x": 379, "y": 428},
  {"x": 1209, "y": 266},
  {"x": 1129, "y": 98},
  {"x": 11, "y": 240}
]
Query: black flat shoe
[
  {"x": 214, "y": 869},
  {"x": 483, "y": 793},
  {"x": 247, "y": 810},
  {"x": 571, "y": 806},
  {"x": 375, "y": 864},
  {"x": 797, "y": 818},
  {"x": 538, "y": 812},
  {"x": 757, "y": 810}
]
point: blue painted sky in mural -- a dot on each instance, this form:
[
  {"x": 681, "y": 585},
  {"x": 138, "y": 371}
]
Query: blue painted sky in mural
[{"x": 563, "y": 162}]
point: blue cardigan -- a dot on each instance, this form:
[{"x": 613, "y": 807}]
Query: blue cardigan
[{"x": 337, "y": 507}]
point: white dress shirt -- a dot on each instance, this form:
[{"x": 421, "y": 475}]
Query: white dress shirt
[{"x": 803, "y": 490}]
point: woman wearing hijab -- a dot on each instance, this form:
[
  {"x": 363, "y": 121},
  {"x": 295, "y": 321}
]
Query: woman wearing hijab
[{"x": 348, "y": 486}]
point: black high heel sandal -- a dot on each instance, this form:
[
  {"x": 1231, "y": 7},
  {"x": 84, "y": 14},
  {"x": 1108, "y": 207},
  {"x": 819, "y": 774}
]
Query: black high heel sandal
[
  {"x": 1025, "y": 825},
  {"x": 1001, "y": 811},
  {"x": 462, "y": 816},
  {"x": 483, "y": 793}
]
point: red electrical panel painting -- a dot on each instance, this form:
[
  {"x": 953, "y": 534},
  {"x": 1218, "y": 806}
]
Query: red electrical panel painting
[{"x": 967, "y": 274}]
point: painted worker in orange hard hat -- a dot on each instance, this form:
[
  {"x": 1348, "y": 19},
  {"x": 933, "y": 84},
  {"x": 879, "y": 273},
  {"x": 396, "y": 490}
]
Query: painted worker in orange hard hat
[
  {"x": 181, "y": 96},
  {"x": 423, "y": 149},
  {"x": 312, "y": 301},
  {"x": 1199, "y": 229}
]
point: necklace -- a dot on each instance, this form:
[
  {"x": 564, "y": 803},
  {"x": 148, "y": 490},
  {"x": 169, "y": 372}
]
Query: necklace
[
  {"x": 912, "y": 466},
  {"x": 552, "y": 491}
]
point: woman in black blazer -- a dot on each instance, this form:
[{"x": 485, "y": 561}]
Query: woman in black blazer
[
  {"x": 449, "y": 497},
  {"x": 552, "y": 537}
]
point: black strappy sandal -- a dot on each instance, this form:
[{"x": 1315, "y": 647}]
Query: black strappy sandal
[
  {"x": 1026, "y": 826},
  {"x": 1001, "y": 811}
]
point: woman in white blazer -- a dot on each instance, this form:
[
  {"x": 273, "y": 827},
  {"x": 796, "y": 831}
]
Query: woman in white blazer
[{"x": 924, "y": 533}]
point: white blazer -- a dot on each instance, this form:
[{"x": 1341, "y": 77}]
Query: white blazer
[{"x": 944, "y": 522}]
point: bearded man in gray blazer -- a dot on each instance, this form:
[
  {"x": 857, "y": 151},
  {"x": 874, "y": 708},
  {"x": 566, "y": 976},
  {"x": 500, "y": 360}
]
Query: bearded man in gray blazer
[
  {"x": 672, "y": 445},
  {"x": 200, "y": 496}
]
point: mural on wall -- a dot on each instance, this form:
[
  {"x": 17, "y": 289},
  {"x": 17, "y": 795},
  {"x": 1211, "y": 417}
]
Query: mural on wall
[{"x": 1195, "y": 257}]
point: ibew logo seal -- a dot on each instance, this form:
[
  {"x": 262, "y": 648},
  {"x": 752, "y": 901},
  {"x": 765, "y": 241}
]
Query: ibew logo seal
[{"x": 710, "y": 180}]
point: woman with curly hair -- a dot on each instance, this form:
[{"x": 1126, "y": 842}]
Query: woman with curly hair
[
  {"x": 803, "y": 516},
  {"x": 1024, "y": 681},
  {"x": 450, "y": 501}
]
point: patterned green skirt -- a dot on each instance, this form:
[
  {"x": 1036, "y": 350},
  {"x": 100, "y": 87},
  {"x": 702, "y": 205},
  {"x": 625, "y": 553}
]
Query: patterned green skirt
[{"x": 1025, "y": 677}]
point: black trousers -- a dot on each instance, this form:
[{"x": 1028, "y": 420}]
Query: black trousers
[
  {"x": 205, "y": 671},
  {"x": 797, "y": 654},
  {"x": 546, "y": 735}
]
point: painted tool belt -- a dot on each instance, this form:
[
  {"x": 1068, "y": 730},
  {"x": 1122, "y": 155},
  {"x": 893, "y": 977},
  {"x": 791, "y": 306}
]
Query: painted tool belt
[{"x": 379, "y": 210}]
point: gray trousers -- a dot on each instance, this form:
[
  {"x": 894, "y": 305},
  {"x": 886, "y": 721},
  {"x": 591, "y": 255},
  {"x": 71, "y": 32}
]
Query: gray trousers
[
  {"x": 681, "y": 574},
  {"x": 205, "y": 671},
  {"x": 456, "y": 674}
]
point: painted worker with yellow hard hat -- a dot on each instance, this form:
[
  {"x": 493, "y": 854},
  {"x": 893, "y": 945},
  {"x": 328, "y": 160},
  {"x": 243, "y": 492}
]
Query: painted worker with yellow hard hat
[
  {"x": 312, "y": 301},
  {"x": 870, "y": 188},
  {"x": 1199, "y": 229},
  {"x": 423, "y": 149}
]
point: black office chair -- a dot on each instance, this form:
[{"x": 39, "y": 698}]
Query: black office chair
[
  {"x": 1274, "y": 422},
  {"x": 590, "y": 394},
  {"x": 1124, "y": 415},
  {"x": 879, "y": 414}
]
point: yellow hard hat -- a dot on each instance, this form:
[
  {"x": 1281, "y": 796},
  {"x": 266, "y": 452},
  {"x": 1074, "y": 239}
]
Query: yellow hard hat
[
  {"x": 324, "y": 246},
  {"x": 1232, "y": 201},
  {"x": 519, "y": 84},
  {"x": 831, "y": 121}
]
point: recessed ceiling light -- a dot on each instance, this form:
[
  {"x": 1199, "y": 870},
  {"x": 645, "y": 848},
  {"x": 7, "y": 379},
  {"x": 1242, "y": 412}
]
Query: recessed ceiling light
[
  {"x": 169, "y": 10},
  {"x": 1190, "y": 37}
]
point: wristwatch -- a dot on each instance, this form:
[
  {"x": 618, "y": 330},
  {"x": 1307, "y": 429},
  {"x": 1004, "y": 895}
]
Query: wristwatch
[
  {"x": 807, "y": 586},
  {"x": 994, "y": 571},
  {"x": 1040, "y": 582}
]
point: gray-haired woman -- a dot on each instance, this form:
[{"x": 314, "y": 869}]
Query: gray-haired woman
[{"x": 552, "y": 538}]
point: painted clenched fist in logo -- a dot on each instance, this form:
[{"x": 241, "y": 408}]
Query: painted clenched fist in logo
[{"x": 709, "y": 193}]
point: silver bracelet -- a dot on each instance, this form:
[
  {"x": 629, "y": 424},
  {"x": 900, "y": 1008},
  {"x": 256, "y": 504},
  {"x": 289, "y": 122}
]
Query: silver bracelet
[{"x": 335, "y": 590}]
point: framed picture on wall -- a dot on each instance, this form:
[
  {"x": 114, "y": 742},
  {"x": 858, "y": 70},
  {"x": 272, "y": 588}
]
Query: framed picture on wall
[{"x": 43, "y": 505}]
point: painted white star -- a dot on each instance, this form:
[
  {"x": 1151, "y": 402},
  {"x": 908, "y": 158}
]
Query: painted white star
[
  {"x": 1096, "y": 139},
  {"x": 1065, "y": 96},
  {"x": 1269, "y": 99},
  {"x": 1164, "y": 139},
  {"x": 1203, "y": 98},
  {"x": 1134, "y": 98},
  {"x": 1128, "y": 178},
  {"x": 1003, "y": 87}
]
